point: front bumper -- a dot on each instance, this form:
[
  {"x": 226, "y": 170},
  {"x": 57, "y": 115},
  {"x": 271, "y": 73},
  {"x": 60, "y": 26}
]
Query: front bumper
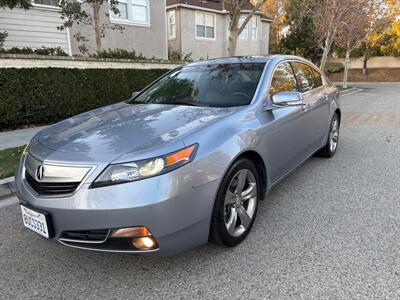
[{"x": 175, "y": 209}]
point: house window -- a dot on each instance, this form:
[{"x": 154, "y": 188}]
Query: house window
[
  {"x": 123, "y": 10},
  {"x": 140, "y": 11},
  {"x": 205, "y": 25},
  {"x": 46, "y": 2},
  {"x": 171, "y": 24},
  {"x": 254, "y": 25},
  {"x": 132, "y": 11},
  {"x": 244, "y": 35}
]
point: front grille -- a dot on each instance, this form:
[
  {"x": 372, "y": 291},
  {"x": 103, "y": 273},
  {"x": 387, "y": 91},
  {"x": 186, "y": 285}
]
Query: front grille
[
  {"x": 85, "y": 235},
  {"x": 51, "y": 188}
]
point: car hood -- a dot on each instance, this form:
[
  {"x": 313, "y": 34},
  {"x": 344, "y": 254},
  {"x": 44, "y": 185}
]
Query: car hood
[{"x": 122, "y": 128}]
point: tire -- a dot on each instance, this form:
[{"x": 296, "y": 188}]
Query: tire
[
  {"x": 328, "y": 150},
  {"x": 227, "y": 205}
]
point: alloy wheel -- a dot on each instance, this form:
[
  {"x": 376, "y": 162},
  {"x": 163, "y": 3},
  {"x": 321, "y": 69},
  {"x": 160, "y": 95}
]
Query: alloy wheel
[
  {"x": 334, "y": 135},
  {"x": 240, "y": 202}
]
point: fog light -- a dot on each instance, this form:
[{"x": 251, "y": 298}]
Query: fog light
[
  {"x": 131, "y": 232},
  {"x": 142, "y": 239},
  {"x": 144, "y": 243}
]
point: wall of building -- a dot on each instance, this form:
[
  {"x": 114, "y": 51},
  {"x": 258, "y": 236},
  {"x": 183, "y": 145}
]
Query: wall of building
[
  {"x": 151, "y": 41},
  {"x": 255, "y": 47},
  {"x": 200, "y": 48},
  {"x": 174, "y": 44},
  {"x": 33, "y": 28},
  {"x": 186, "y": 41}
]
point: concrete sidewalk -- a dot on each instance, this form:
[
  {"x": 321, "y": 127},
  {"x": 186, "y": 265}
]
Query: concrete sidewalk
[{"x": 16, "y": 138}]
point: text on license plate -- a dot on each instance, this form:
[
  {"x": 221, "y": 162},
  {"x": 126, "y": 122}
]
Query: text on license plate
[{"x": 35, "y": 221}]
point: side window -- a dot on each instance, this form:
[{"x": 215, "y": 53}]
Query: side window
[
  {"x": 283, "y": 80},
  {"x": 317, "y": 78},
  {"x": 305, "y": 76}
]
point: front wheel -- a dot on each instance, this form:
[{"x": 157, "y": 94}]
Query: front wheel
[
  {"x": 330, "y": 147},
  {"x": 236, "y": 204}
]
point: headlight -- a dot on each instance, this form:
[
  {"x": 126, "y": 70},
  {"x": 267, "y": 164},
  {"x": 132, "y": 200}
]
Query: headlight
[{"x": 132, "y": 171}]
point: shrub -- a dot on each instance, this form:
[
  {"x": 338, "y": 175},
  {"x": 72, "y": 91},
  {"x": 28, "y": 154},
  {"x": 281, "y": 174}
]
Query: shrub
[
  {"x": 334, "y": 67},
  {"x": 41, "y": 96},
  {"x": 39, "y": 51},
  {"x": 178, "y": 57},
  {"x": 118, "y": 54}
]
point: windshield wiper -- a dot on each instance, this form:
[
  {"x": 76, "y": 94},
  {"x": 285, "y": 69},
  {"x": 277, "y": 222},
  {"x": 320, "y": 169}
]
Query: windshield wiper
[{"x": 182, "y": 103}]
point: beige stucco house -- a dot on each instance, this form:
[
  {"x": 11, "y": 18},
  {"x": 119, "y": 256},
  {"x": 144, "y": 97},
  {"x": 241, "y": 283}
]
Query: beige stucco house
[
  {"x": 201, "y": 27},
  {"x": 144, "y": 23}
]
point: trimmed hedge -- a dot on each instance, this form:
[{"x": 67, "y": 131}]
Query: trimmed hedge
[
  {"x": 334, "y": 67},
  {"x": 42, "y": 96}
]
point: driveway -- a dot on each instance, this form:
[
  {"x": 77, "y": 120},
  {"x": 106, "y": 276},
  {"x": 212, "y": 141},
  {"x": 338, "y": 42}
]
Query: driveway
[{"x": 329, "y": 230}]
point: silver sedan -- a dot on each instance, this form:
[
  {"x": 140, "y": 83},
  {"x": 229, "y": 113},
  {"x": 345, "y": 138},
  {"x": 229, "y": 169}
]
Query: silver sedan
[{"x": 185, "y": 161}]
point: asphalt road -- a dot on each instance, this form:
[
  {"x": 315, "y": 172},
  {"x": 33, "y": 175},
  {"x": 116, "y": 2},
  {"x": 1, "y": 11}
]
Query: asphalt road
[{"x": 329, "y": 230}]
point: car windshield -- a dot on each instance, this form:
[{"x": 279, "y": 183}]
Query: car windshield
[{"x": 217, "y": 85}]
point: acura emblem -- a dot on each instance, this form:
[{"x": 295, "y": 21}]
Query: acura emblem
[{"x": 39, "y": 173}]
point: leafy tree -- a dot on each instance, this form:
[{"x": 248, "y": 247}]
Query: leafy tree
[
  {"x": 276, "y": 10},
  {"x": 350, "y": 35},
  {"x": 25, "y": 4},
  {"x": 388, "y": 42},
  {"x": 3, "y": 36},
  {"x": 383, "y": 38},
  {"x": 379, "y": 14},
  {"x": 300, "y": 37},
  {"x": 327, "y": 16},
  {"x": 88, "y": 12}
]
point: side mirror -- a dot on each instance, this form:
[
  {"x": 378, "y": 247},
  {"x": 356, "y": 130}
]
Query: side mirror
[
  {"x": 134, "y": 94},
  {"x": 285, "y": 99}
]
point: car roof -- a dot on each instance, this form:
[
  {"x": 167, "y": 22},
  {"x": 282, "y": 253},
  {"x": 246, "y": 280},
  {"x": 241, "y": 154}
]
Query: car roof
[
  {"x": 244, "y": 59},
  {"x": 232, "y": 60}
]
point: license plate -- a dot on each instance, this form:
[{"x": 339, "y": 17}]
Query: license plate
[{"x": 35, "y": 221}]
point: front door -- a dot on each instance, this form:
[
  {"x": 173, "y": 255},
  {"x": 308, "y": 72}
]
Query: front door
[{"x": 286, "y": 135}]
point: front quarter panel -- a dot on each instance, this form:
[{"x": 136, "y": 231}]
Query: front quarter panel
[{"x": 221, "y": 144}]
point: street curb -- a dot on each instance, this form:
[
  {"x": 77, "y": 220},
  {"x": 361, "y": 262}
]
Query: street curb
[
  {"x": 12, "y": 200},
  {"x": 7, "y": 187},
  {"x": 348, "y": 91},
  {"x": 367, "y": 83},
  {"x": 351, "y": 91}
]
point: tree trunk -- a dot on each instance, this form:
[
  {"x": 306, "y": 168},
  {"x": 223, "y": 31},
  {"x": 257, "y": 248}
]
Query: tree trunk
[
  {"x": 233, "y": 37},
  {"x": 331, "y": 34},
  {"x": 278, "y": 41},
  {"x": 96, "y": 18},
  {"x": 365, "y": 61},
  {"x": 327, "y": 49},
  {"x": 324, "y": 59},
  {"x": 346, "y": 68}
]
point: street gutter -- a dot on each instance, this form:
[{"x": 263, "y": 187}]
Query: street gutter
[{"x": 8, "y": 201}]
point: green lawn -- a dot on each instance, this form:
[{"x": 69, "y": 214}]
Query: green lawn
[{"x": 9, "y": 159}]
